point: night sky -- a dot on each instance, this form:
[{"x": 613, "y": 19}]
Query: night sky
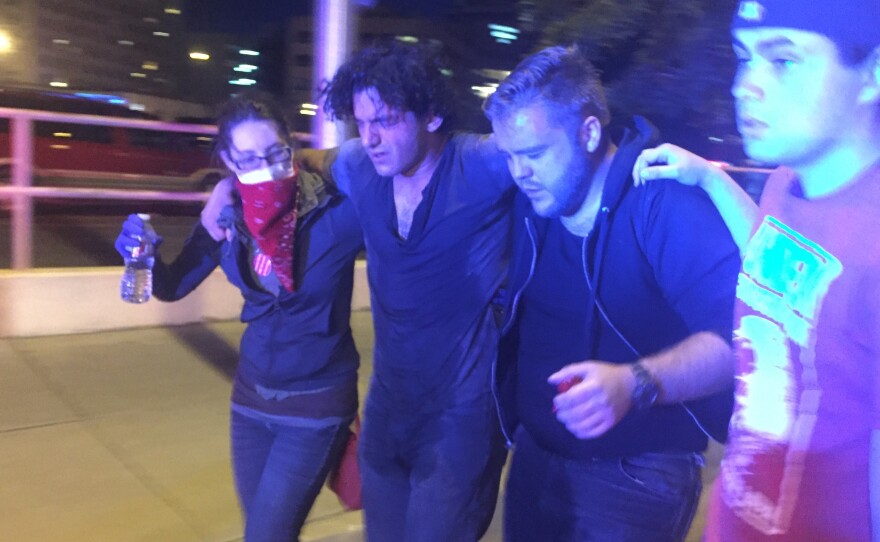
[{"x": 235, "y": 16}]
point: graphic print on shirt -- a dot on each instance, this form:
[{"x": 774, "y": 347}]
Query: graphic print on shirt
[{"x": 784, "y": 280}]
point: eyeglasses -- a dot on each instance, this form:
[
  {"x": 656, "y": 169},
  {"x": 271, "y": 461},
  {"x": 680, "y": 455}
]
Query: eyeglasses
[{"x": 254, "y": 161}]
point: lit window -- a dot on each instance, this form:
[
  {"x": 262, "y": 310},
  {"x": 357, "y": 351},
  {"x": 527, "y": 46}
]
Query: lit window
[
  {"x": 503, "y": 33},
  {"x": 249, "y": 52},
  {"x": 150, "y": 65},
  {"x": 58, "y": 84},
  {"x": 197, "y": 55},
  {"x": 484, "y": 91},
  {"x": 138, "y": 75},
  {"x": 242, "y": 82},
  {"x": 127, "y": 43},
  {"x": 172, "y": 11},
  {"x": 503, "y": 28},
  {"x": 161, "y": 34},
  {"x": 58, "y": 41}
]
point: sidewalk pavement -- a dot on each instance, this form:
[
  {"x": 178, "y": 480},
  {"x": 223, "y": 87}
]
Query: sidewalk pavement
[{"x": 123, "y": 437}]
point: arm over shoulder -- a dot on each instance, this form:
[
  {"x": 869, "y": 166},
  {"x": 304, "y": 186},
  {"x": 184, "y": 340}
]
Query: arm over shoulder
[
  {"x": 483, "y": 160},
  {"x": 693, "y": 256},
  {"x": 348, "y": 164}
]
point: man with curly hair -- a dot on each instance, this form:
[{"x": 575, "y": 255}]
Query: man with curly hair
[
  {"x": 435, "y": 210},
  {"x": 434, "y": 207}
]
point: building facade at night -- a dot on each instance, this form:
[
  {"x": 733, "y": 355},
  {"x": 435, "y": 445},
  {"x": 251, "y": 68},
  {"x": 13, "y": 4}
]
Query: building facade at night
[
  {"x": 465, "y": 32},
  {"x": 161, "y": 55},
  {"x": 138, "y": 50}
]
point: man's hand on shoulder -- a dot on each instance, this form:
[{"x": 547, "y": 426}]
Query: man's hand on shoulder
[
  {"x": 594, "y": 396},
  {"x": 674, "y": 163},
  {"x": 736, "y": 207}
]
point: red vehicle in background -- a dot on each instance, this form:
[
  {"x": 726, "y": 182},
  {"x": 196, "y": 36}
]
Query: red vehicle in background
[{"x": 93, "y": 156}]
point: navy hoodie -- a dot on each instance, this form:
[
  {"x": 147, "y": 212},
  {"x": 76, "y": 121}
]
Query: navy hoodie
[{"x": 658, "y": 266}]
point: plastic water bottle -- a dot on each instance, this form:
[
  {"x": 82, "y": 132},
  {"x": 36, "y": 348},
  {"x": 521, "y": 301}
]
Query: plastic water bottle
[{"x": 137, "y": 280}]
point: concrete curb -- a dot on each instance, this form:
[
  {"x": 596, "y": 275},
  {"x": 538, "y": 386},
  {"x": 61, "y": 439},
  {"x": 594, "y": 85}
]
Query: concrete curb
[{"x": 83, "y": 300}]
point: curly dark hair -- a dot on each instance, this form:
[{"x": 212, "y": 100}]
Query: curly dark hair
[
  {"x": 250, "y": 105},
  {"x": 409, "y": 77}
]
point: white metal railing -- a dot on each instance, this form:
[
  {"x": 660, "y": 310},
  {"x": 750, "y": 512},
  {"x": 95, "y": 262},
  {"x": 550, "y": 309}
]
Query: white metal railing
[{"x": 21, "y": 193}]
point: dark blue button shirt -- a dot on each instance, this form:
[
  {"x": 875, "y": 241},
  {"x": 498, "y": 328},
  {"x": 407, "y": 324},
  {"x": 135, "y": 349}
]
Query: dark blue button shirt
[{"x": 431, "y": 293}]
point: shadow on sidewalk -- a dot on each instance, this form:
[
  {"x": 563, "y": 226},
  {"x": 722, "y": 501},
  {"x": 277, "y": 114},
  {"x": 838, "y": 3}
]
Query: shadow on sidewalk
[{"x": 211, "y": 347}]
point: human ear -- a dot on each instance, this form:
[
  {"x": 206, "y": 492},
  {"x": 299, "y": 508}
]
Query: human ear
[
  {"x": 434, "y": 123},
  {"x": 871, "y": 89},
  {"x": 590, "y": 133},
  {"x": 227, "y": 161}
]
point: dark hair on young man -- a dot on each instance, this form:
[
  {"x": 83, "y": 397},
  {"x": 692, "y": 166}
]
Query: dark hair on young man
[
  {"x": 250, "y": 105},
  {"x": 408, "y": 77},
  {"x": 562, "y": 77}
]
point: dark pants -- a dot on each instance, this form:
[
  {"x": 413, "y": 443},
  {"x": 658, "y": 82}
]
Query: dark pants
[
  {"x": 430, "y": 476},
  {"x": 279, "y": 471},
  {"x": 646, "y": 498}
]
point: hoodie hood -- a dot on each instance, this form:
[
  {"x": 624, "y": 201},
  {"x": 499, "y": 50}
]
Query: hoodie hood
[{"x": 637, "y": 136}]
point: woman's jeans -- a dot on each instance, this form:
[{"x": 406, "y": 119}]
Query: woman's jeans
[
  {"x": 279, "y": 470},
  {"x": 649, "y": 497}
]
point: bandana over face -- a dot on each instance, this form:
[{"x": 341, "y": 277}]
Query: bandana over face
[{"x": 269, "y": 196}]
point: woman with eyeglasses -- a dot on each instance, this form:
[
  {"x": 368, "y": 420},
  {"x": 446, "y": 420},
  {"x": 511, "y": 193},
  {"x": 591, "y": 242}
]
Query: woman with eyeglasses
[{"x": 291, "y": 252}]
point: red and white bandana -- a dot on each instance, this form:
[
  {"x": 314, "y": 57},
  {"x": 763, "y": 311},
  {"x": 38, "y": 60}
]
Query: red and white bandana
[{"x": 269, "y": 197}]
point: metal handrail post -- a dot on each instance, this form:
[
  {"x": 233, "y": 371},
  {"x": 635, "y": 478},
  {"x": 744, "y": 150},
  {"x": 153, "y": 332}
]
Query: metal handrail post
[{"x": 22, "y": 150}]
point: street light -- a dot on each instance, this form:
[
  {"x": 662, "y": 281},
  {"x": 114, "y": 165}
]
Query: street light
[{"x": 5, "y": 43}]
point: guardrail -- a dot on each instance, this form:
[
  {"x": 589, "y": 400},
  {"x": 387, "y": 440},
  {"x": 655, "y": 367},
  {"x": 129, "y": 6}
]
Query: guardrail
[{"x": 21, "y": 193}]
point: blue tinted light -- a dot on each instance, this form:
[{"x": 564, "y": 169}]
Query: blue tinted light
[
  {"x": 502, "y": 35},
  {"x": 503, "y": 28}
]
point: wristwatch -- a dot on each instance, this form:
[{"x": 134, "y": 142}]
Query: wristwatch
[{"x": 646, "y": 390}]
